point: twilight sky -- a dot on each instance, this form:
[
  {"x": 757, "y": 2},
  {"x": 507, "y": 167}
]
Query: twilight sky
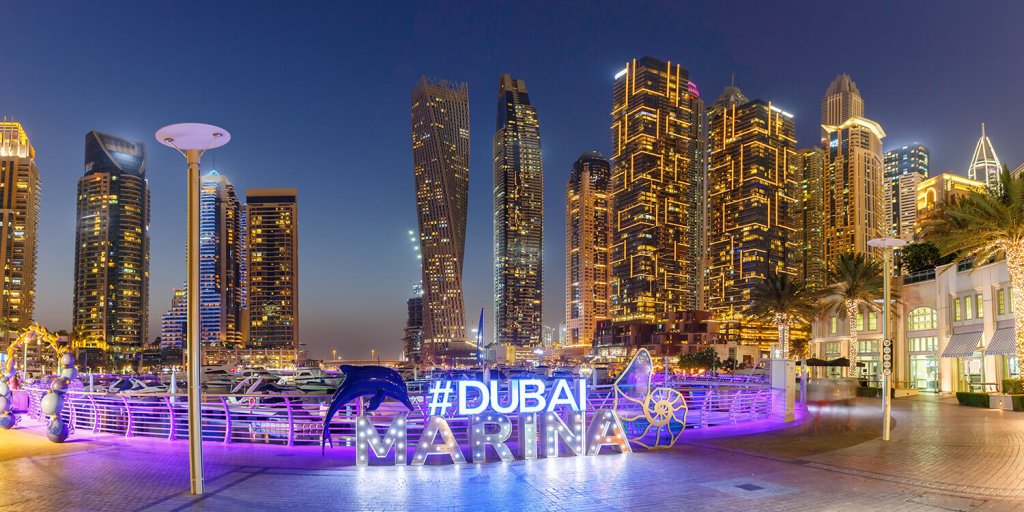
[{"x": 316, "y": 97}]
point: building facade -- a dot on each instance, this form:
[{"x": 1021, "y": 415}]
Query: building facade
[
  {"x": 809, "y": 218},
  {"x": 111, "y": 281},
  {"x": 841, "y": 102},
  {"x": 941, "y": 189},
  {"x": 658, "y": 189},
  {"x": 412, "y": 341},
  {"x": 518, "y": 218},
  {"x": 854, "y": 191},
  {"x": 985, "y": 165},
  {"x": 905, "y": 168},
  {"x": 588, "y": 236},
  {"x": 220, "y": 256},
  {"x": 19, "y": 208},
  {"x": 174, "y": 322},
  {"x": 440, "y": 155},
  {"x": 272, "y": 217},
  {"x": 751, "y": 209}
]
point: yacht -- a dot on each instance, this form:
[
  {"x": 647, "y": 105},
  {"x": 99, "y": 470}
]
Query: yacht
[{"x": 135, "y": 386}]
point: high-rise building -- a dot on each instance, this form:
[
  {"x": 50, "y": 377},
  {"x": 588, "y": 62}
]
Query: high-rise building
[
  {"x": 412, "y": 342},
  {"x": 985, "y": 166},
  {"x": 174, "y": 322},
  {"x": 809, "y": 221},
  {"x": 905, "y": 168},
  {"x": 658, "y": 190},
  {"x": 588, "y": 236},
  {"x": 440, "y": 157},
  {"x": 854, "y": 187},
  {"x": 518, "y": 218},
  {"x": 272, "y": 217},
  {"x": 19, "y": 212},
  {"x": 220, "y": 255},
  {"x": 940, "y": 189},
  {"x": 111, "y": 285},
  {"x": 750, "y": 232},
  {"x": 842, "y": 101}
]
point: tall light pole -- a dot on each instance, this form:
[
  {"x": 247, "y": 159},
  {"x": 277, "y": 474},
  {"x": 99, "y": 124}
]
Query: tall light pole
[
  {"x": 192, "y": 140},
  {"x": 887, "y": 245}
]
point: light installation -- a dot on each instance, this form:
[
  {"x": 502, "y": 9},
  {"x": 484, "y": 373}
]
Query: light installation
[
  {"x": 53, "y": 401},
  {"x": 655, "y": 417}
]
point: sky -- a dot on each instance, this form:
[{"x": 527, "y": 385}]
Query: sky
[{"x": 316, "y": 97}]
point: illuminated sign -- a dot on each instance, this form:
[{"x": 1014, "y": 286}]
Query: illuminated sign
[{"x": 523, "y": 396}]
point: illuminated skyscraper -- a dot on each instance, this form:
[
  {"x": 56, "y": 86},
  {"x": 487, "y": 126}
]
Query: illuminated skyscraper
[
  {"x": 809, "y": 217},
  {"x": 174, "y": 322},
  {"x": 842, "y": 101},
  {"x": 412, "y": 342},
  {"x": 985, "y": 166},
  {"x": 750, "y": 231},
  {"x": 19, "y": 208},
  {"x": 518, "y": 218},
  {"x": 588, "y": 232},
  {"x": 273, "y": 267},
  {"x": 220, "y": 255},
  {"x": 905, "y": 168},
  {"x": 658, "y": 190},
  {"x": 440, "y": 157},
  {"x": 111, "y": 290},
  {"x": 854, "y": 187}
]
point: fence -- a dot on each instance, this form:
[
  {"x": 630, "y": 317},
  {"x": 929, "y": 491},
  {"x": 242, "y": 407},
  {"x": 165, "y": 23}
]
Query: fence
[{"x": 298, "y": 419}]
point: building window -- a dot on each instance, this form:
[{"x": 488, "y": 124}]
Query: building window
[
  {"x": 956, "y": 310},
  {"x": 969, "y": 307},
  {"x": 1001, "y": 301},
  {"x": 867, "y": 346},
  {"x": 834, "y": 326},
  {"x": 980, "y": 304},
  {"x": 872, "y": 321},
  {"x": 922, "y": 319},
  {"x": 860, "y": 322},
  {"x": 832, "y": 349},
  {"x": 925, "y": 344}
]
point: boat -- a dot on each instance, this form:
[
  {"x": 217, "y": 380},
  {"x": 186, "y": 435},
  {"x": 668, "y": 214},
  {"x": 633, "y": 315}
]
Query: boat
[{"x": 135, "y": 386}]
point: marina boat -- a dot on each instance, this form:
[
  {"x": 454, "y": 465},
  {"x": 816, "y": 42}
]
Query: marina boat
[{"x": 135, "y": 386}]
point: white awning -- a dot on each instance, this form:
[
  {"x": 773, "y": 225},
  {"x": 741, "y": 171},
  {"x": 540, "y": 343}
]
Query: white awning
[
  {"x": 1002, "y": 343},
  {"x": 962, "y": 345}
]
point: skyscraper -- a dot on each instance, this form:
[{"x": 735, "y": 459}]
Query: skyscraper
[
  {"x": 588, "y": 236},
  {"x": 111, "y": 288},
  {"x": 750, "y": 232},
  {"x": 905, "y": 168},
  {"x": 854, "y": 196},
  {"x": 273, "y": 267},
  {"x": 518, "y": 218},
  {"x": 658, "y": 189},
  {"x": 19, "y": 213},
  {"x": 174, "y": 322},
  {"x": 809, "y": 217},
  {"x": 985, "y": 166},
  {"x": 440, "y": 156},
  {"x": 412, "y": 341},
  {"x": 220, "y": 255}
]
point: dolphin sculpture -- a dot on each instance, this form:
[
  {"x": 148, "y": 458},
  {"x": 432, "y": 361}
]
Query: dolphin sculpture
[{"x": 359, "y": 381}]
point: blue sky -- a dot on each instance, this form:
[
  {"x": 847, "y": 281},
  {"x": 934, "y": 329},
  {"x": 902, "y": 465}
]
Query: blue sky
[{"x": 316, "y": 97}]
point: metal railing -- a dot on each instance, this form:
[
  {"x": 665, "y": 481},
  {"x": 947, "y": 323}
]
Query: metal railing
[{"x": 298, "y": 419}]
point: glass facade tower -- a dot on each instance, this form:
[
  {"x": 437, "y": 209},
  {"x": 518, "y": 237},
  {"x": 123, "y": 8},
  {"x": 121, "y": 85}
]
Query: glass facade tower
[
  {"x": 905, "y": 168},
  {"x": 220, "y": 255},
  {"x": 273, "y": 268}
]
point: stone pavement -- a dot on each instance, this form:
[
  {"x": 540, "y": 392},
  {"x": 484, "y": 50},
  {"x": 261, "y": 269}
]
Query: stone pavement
[{"x": 941, "y": 457}]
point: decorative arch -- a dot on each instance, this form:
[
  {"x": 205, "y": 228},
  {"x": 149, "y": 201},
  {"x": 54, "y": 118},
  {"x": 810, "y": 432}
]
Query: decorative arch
[{"x": 53, "y": 401}]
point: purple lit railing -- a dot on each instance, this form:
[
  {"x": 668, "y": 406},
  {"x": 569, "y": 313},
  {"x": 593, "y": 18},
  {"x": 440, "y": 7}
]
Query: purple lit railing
[{"x": 298, "y": 419}]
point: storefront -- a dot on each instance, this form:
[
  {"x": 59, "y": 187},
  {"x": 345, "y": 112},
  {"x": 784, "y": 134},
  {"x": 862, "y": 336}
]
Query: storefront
[
  {"x": 970, "y": 370},
  {"x": 924, "y": 363}
]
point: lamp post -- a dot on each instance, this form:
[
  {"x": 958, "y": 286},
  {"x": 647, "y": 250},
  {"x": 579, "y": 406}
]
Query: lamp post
[
  {"x": 887, "y": 245},
  {"x": 192, "y": 140}
]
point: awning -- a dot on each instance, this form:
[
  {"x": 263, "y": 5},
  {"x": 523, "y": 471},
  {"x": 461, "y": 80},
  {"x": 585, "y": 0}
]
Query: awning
[
  {"x": 962, "y": 345},
  {"x": 1002, "y": 343}
]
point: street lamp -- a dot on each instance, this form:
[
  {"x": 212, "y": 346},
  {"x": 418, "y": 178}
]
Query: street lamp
[
  {"x": 192, "y": 140},
  {"x": 887, "y": 245}
]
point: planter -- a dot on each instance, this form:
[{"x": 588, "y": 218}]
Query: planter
[
  {"x": 973, "y": 399},
  {"x": 997, "y": 401}
]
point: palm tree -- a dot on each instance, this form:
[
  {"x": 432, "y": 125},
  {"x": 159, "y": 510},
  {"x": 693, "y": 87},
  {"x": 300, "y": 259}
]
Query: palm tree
[
  {"x": 855, "y": 281},
  {"x": 781, "y": 299},
  {"x": 985, "y": 225}
]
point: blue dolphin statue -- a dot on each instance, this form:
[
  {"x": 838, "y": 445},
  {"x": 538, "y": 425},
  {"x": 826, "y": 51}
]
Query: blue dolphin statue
[{"x": 378, "y": 381}]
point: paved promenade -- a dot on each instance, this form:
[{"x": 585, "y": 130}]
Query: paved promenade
[{"x": 941, "y": 457}]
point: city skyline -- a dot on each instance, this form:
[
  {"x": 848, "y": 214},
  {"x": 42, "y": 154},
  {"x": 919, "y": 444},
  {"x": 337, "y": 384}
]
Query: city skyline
[{"x": 363, "y": 306}]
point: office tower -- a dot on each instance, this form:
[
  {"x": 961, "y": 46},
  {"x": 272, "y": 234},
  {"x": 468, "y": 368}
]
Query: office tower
[
  {"x": 440, "y": 157},
  {"x": 518, "y": 217},
  {"x": 985, "y": 166},
  {"x": 750, "y": 233},
  {"x": 905, "y": 168},
  {"x": 111, "y": 283},
  {"x": 220, "y": 255},
  {"x": 19, "y": 211},
  {"x": 854, "y": 187},
  {"x": 658, "y": 190},
  {"x": 174, "y": 322},
  {"x": 842, "y": 101},
  {"x": 273, "y": 268},
  {"x": 412, "y": 342},
  {"x": 810, "y": 217},
  {"x": 588, "y": 236}
]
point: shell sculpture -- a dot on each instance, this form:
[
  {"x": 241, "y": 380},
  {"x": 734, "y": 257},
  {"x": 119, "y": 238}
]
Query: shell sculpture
[{"x": 652, "y": 417}]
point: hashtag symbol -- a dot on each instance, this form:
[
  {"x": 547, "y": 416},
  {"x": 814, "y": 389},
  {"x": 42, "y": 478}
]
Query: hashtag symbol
[{"x": 440, "y": 397}]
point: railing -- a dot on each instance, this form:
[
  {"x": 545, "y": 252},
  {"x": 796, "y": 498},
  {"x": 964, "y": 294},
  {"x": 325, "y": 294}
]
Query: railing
[
  {"x": 298, "y": 419},
  {"x": 919, "y": 276}
]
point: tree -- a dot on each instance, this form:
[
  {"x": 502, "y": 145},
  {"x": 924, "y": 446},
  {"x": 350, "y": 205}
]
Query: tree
[
  {"x": 799, "y": 348},
  {"x": 706, "y": 359},
  {"x": 920, "y": 256},
  {"x": 783, "y": 300},
  {"x": 855, "y": 281},
  {"x": 982, "y": 226}
]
